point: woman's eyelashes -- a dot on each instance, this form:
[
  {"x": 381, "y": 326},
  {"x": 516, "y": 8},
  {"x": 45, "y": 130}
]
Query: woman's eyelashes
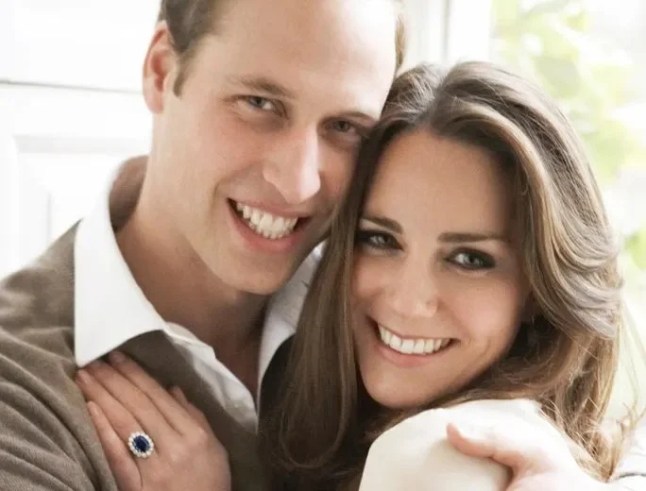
[
  {"x": 464, "y": 259},
  {"x": 471, "y": 260},
  {"x": 377, "y": 240}
]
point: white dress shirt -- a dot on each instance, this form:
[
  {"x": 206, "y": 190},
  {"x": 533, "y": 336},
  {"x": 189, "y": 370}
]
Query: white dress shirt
[{"x": 111, "y": 308}]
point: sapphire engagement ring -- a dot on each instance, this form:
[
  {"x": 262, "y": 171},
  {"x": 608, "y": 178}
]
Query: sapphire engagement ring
[{"x": 140, "y": 445}]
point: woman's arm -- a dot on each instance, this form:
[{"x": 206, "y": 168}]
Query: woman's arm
[
  {"x": 533, "y": 466},
  {"x": 416, "y": 454}
]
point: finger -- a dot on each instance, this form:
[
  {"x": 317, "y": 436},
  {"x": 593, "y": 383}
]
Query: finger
[
  {"x": 525, "y": 445},
  {"x": 122, "y": 418},
  {"x": 197, "y": 415},
  {"x": 122, "y": 421},
  {"x": 123, "y": 467},
  {"x": 199, "y": 418},
  {"x": 168, "y": 406},
  {"x": 486, "y": 443},
  {"x": 142, "y": 407}
]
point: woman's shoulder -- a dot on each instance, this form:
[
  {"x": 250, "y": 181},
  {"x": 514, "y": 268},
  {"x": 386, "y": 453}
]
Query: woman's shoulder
[
  {"x": 483, "y": 408},
  {"x": 415, "y": 453}
]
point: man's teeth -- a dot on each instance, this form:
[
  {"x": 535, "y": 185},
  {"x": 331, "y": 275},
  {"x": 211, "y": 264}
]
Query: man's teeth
[
  {"x": 266, "y": 224},
  {"x": 421, "y": 346}
]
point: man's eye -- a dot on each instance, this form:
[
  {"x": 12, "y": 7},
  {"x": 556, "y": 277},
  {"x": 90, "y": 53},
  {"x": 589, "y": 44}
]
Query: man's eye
[
  {"x": 348, "y": 129},
  {"x": 261, "y": 103},
  {"x": 472, "y": 260},
  {"x": 344, "y": 127}
]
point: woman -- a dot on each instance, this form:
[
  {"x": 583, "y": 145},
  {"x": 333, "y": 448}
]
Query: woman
[
  {"x": 472, "y": 260},
  {"x": 480, "y": 238}
]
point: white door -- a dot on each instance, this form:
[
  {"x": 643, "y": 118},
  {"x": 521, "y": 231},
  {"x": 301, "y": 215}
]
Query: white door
[{"x": 70, "y": 111}]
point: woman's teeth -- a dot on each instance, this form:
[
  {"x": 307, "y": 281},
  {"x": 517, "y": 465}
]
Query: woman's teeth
[
  {"x": 265, "y": 224},
  {"x": 410, "y": 346}
]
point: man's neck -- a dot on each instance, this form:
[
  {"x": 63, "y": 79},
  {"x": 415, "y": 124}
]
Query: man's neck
[
  {"x": 182, "y": 289},
  {"x": 185, "y": 292}
]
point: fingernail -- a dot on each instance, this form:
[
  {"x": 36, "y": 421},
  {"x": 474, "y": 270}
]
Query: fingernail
[
  {"x": 117, "y": 357},
  {"x": 466, "y": 430},
  {"x": 474, "y": 432},
  {"x": 91, "y": 407},
  {"x": 82, "y": 376}
]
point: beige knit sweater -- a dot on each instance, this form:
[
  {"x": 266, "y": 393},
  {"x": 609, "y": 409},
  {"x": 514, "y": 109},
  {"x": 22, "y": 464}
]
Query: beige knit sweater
[{"x": 47, "y": 440}]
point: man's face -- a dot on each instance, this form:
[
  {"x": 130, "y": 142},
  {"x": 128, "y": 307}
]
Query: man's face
[{"x": 250, "y": 161}]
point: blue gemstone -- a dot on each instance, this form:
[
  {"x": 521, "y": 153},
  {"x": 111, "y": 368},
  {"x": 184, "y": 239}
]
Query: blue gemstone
[{"x": 141, "y": 443}]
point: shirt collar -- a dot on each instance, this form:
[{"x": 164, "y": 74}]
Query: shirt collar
[
  {"x": 110, "y": 307},
  {"x": 284, "y": 309}
]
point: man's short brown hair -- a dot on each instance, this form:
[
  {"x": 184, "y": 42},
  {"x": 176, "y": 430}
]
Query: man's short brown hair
[{"x": 189, "y": 21}]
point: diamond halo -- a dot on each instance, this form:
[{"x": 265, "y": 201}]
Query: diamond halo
[{"x": 141, "y": 445}]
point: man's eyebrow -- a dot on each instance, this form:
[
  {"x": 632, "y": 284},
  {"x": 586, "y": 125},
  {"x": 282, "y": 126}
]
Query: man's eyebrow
[
  {"x": 263, "y": 84},
  {"x": 472, "y": 237},
  {"x": 367, "y": 118},
  {"x": 383, "y": 222}
]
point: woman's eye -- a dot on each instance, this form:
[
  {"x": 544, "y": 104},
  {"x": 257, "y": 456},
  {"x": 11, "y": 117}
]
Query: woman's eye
[
  {"x": 473, "y": 260},
  {"x": 376, "y": 240},
  {"x": 261, "y": 103}
]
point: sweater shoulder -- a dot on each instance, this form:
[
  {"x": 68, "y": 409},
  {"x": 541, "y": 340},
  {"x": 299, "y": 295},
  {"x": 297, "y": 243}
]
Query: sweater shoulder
[{"x": 47, "y": 440}]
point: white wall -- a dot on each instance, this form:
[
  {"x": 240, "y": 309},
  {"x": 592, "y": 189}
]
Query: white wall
[{"x": 70, "y": 111}]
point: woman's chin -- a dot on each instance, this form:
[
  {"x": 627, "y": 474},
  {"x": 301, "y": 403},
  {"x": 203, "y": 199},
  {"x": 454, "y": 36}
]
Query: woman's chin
[{"x": 398, "y": 401}]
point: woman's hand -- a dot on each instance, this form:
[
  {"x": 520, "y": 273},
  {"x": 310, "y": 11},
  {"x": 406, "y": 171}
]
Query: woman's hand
[
  {"x": 537, "y": 459},
  {"x": 124, "y": 399}
]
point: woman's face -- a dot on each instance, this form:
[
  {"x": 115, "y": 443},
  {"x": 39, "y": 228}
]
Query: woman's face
[{"x": 438, "y": 291}]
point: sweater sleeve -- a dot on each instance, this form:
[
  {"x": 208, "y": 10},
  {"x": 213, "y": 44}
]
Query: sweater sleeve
[
  {"x": 35, "y": 446},
  {"x": 47, "y": 440}
]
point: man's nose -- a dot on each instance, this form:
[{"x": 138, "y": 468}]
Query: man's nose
[{"x": 294, "y": 166}]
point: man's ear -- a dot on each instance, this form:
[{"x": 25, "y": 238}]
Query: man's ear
[{"x": 159, "y": 68}]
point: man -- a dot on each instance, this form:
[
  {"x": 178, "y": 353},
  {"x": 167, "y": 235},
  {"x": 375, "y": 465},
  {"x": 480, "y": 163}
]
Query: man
[{"x": 258, "y": 109}]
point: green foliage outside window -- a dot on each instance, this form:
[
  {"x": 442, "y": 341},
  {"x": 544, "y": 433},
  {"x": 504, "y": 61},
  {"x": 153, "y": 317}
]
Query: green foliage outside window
[{"x": 550, "y": 41}]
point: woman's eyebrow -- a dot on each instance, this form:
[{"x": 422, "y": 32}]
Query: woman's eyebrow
[
  {"x": 472, "y": 237},
  {"x": 383, "y": 222}
]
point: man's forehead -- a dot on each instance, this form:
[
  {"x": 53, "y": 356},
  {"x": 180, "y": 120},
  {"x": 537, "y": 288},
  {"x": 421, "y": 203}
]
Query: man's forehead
[
  {"x": 262, "y": 83},
  {"x": 349, "y": 58}
]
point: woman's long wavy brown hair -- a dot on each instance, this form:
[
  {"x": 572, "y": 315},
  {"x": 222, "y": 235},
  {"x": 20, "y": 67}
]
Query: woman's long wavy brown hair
[{"x": 317, "y": 432}]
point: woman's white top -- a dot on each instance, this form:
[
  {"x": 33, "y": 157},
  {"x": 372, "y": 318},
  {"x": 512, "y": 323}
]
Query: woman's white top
[{"x": 415, "y": 455}]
